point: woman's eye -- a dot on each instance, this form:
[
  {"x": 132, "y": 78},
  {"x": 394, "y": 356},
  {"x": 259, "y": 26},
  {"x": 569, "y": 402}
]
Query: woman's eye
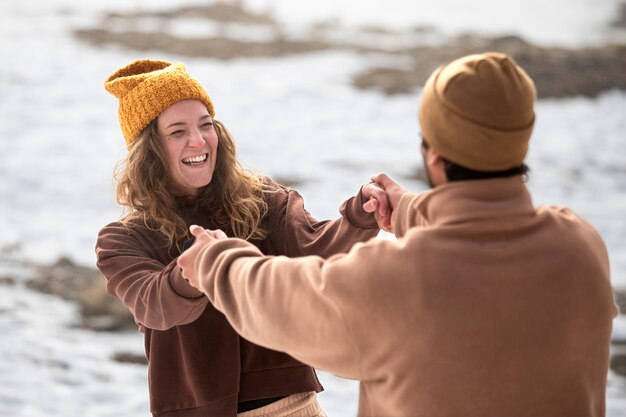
[
  {"x": 177, "y": 133},
  {"x": 206, "y": 125}
]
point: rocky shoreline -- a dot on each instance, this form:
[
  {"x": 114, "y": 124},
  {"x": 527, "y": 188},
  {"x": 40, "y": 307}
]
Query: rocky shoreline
[
  {"x": 86, "y": 286},
  {"x": 82, "y": 285},
  {"x": 411, "y": 57}
]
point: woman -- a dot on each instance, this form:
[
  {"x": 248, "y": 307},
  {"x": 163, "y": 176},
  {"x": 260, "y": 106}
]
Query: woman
[{"x": 181, "y": 169}]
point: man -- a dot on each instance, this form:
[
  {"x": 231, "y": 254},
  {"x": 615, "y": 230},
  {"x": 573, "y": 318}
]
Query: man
[{"x": 485, "y": 305}]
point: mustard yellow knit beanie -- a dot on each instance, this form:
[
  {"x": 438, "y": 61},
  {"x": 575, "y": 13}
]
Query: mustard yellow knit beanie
[
  {"x": 146, "y": 87},
  {"x": 478, "y": 112}
]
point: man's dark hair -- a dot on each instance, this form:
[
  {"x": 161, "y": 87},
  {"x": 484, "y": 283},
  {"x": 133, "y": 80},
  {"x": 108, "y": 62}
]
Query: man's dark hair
[{"x": 456, "y": 172}]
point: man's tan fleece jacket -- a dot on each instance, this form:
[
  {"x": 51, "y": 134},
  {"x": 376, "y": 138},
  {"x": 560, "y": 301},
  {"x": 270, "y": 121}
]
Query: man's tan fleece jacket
[{"x": 484, "y": 306}]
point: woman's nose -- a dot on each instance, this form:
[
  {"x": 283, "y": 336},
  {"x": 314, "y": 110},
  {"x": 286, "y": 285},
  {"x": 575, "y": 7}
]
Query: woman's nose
[{"x": 196, "y": 139}]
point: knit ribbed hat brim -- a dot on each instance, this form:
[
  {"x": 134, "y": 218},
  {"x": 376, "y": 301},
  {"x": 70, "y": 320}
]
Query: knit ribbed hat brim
[
  {"x": 145, "y": 88},
  {"x": 478, "y": 112}
]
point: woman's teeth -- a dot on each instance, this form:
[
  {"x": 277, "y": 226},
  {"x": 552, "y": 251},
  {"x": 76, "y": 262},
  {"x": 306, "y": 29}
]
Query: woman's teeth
[{"x": 195, "y": 160}]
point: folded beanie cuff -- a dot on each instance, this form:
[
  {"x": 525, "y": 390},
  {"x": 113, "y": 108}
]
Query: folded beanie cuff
[
  {"x": 478, "y": 112},
  {"x": 150, "y": 98},
  {"x": 471, "y": 145},
  {"x": 146, "y": 88}
]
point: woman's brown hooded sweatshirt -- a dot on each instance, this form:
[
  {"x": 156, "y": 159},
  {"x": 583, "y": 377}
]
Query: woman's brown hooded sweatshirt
[
  {"x": 198, "y": 365},
  {"x": 484, "y": 306}
]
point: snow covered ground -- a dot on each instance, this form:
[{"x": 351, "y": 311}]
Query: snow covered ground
[{"x": 295, "y": 117}]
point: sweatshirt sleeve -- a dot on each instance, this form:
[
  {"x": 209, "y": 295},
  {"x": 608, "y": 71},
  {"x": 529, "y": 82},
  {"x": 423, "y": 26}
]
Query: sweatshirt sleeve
[
  {"x": 279, "y": 303},
  {"x": 325, "y": 313},
  {"x": 155, "y": 293},
  {"x": 409, "y": 213},
  {"x": 295, "y": 232}
]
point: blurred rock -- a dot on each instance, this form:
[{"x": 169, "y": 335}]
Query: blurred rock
[
  {"x": 620, "y": 21},
  {"x": 219, "y": 12},
  {"x": 419, "y": 173},
  {"x": 86, "y": 286},
  {"x": 216, "y": 47},
  {"x": 64, "y": 278},
  {"x": 7, "y": 280},
  {"x": 101, "y": 311},
  {"x": 620, "y": 299},
  {"x": 618, "y": 363},
  {"x": 557, "y": 72},
  {"x": 120, "y": 29},
  {"x": 8, "y": 252},
  {"x": 128, "y": 357}
]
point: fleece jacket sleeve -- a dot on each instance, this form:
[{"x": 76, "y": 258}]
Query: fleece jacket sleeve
[
  {"x": 295, "y": 232},
  {"x": 408, "y": 213},
  {"x": 155, "y": 293},
  {"x": 319, "y": 311}
]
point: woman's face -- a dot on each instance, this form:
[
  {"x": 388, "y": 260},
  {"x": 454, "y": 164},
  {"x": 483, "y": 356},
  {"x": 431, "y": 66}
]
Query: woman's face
[{"x": 190, "y": 140}]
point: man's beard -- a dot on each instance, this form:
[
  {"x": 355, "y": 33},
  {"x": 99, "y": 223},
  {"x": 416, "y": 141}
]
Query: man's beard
[{"x": 430, "y": 181}]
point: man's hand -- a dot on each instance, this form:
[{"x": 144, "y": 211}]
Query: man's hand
[
  {"x": 376, "y": 202},
  {"x": 186, "y": 261},
  {"x": 393, "y": 191}
]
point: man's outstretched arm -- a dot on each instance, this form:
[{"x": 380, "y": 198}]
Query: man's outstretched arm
[{"x": 273, "y": 301}]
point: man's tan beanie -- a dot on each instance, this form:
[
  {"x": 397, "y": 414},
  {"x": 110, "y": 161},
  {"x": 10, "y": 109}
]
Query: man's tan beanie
[
  {"x": 145, "y": 88},
  {"x": 478, "y": 112}
]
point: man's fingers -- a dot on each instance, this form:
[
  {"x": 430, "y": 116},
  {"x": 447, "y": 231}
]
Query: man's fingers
[{"x": 383, "y": 179}]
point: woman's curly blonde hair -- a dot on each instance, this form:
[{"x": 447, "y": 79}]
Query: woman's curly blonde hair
[{"x": 235, "y": 197}]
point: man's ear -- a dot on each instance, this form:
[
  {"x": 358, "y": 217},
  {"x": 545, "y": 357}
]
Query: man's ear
[
  {"x": 433, "y": 158},
  {"x": 436, "y": 164}
]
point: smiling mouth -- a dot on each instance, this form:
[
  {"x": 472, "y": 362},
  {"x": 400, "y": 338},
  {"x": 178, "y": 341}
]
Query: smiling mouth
[{"x": 196, "y": 160}]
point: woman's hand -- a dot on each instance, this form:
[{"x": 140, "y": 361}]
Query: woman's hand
[
  {"x": 186, "y": 261},
  {"x": 376, "y": 202},
  {"x": 384, "y": 206}
]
